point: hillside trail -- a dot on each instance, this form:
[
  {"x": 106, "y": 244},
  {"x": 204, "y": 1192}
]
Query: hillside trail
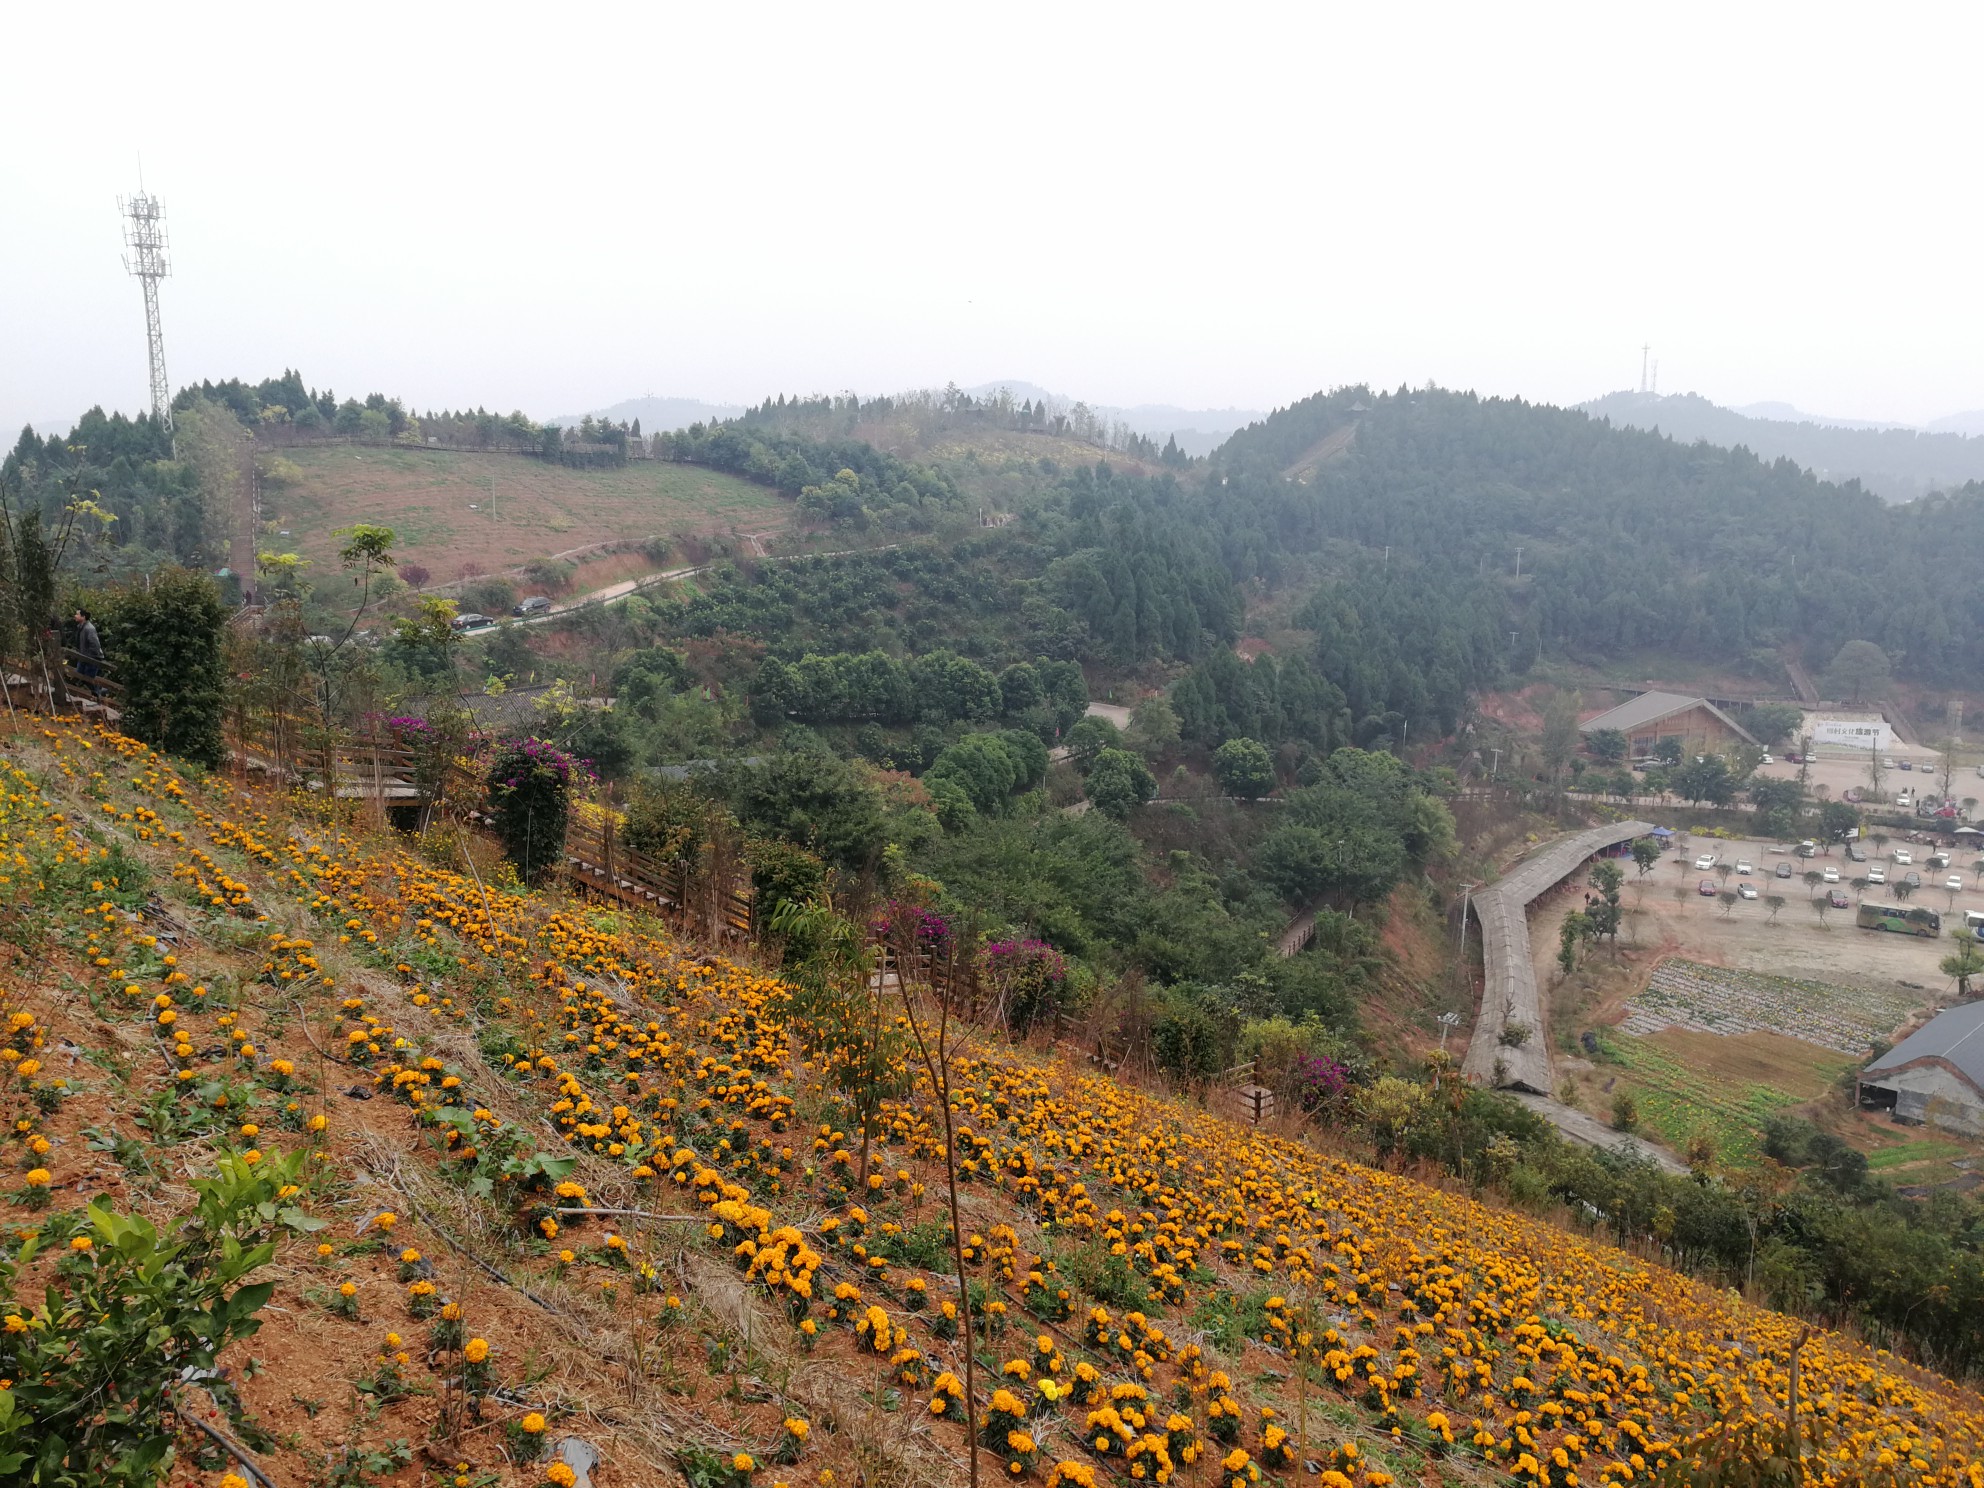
[{"x": 1328, "y": 447}]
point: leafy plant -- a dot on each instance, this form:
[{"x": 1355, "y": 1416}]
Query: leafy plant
[{"x": 95, "y": 1363}]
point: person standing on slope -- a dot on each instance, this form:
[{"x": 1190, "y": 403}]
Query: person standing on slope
[{"x": 90, "y": 647}]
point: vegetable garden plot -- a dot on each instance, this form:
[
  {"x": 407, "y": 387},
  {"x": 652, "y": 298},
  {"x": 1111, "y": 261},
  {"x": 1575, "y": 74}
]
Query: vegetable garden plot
[{"x": 1719, "y": 999}]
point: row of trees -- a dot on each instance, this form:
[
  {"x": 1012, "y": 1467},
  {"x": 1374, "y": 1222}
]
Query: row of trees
[{"x": 940, "y": 687}]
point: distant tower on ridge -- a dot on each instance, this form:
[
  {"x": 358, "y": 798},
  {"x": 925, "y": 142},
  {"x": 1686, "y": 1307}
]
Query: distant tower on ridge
[
  {"x": 144, "y": 236},
  {"x": 1643, "y": 355}
]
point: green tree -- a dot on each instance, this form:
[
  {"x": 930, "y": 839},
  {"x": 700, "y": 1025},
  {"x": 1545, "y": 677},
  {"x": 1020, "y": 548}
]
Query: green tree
[
  {"x": 1836, "y": 819},
  {"x": 1243, "y": 767},
  {"x": 1118, "y": 781},
  {"x": 825, "y": 804},
  {"x": 1560, "y": 732},
  {"x": 1858, "y": 668},
  {"x": 1707, "y": 779},
  {"x": 1153, "y": 727},
  {"x": 1772, "y": 723},
  {"x": 164, "y": 639},
  {"x": 1089, "y": 737},
  {"x": 1965, "y": 962},
  {"x": 1668, "y": 752},
  {"x": 1607, "y": 744},
  {"x": 1646, "y": 854},
  {"x": 1605, "y": 916}
]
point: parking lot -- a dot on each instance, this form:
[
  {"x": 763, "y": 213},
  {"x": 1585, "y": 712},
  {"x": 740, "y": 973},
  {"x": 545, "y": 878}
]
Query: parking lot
[
  {"x": 1839, "y": 775},
  {"x": 1667, "y": 912}
]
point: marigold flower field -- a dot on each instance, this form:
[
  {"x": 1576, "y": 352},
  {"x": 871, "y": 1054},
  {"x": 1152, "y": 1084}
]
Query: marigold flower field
[{"x": 551, "y": 1172}]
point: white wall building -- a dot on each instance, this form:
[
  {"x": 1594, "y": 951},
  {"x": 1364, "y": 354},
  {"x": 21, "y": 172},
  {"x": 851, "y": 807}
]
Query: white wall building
[{"x": 1861, "y": 732}]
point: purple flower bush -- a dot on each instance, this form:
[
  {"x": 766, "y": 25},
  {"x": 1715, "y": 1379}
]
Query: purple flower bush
[
  {"x": 1320, "y": 1082},
  {"x": 530, "y": 803}
]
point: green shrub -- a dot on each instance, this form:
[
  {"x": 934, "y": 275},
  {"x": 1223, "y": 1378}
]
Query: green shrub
[
  {"x": 95, "y": 1362},
  {"x": 163, "y": 645}
]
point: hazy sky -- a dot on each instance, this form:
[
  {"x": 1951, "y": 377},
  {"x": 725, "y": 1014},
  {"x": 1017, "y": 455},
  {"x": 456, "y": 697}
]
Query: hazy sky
[{"x": 555, "y": 208}]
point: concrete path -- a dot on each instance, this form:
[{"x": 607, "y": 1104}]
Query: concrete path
[
  {"x": 1509, "y": 991},
  {"x": 1588, "y": 1131}
]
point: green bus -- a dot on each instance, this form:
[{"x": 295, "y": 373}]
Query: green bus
[{"x": 1917, "y": 921}]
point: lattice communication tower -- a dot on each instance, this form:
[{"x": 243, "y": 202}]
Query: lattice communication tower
[{"x": 144, "y": 236}]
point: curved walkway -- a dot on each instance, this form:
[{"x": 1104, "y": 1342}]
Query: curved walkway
[{"x": 1509, "y": 991}]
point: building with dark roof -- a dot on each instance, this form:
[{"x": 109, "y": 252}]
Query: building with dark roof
[
  {"x": 1694, "y": 722},
  {"x": 1935, "y": 1075}
]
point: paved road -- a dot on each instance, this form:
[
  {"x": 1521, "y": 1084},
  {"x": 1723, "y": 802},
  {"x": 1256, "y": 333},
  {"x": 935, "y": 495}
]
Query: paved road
[{"x": 1509, "y": 991}]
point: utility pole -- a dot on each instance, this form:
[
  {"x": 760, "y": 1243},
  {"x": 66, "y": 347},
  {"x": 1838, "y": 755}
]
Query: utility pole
[
  {"x": 1518, "y": 562},
  {"x": 1644, "y": 349},
  {"x": 1495, "y": 768},
  {"x": 1448, "y": 1022},
  {"x": 144, "y": 235}
]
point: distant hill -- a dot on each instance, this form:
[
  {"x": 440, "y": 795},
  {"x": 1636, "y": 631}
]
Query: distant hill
[
  {"x": 657, "y": 415},
  {"x": 1897, "y": 464},
  {"x": 1199, "y": 431},
  {"x": 1785, "y": 413}
]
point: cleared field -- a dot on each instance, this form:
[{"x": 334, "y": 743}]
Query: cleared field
[
  {"x": 539, "y": 509},
  {"x": 1726, "y": 1087}
]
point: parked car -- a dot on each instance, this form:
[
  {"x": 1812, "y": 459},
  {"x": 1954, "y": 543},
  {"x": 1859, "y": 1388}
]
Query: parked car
[
  {"x": 471, "y": 621},
  {"x": 1913, "y": 880},
  {"x": 1784, "y": 870},
  {"x": 1954, "y": 883},
  {"x": 1903, "y": 857},
  {"x": 1746, "y": 890},
  {"x": 1706, "y": 888},
  {"x": 1851, "y": 795},
  {"x": 1808, "y": 849},
  {"x": 1743, "y": 866},
  {"x": 1766, "y": 760},
  {"x": 1854, "y": 855},
  {"x": 1938, "y": 860},
  {"x": 1877, "y": 874},
  {"x": 1904, "y": 765},
  {"x": 1831, "y": 875},
  {"x": 1836, "y": 899},
  {"x": 1705, "y": 861},
  {"x": 1886, "y": 763},
  {"x": 536, "y": 604}
]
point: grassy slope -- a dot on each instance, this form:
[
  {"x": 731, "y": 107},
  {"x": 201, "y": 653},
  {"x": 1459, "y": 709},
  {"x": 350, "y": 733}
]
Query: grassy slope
[
  {"x": 1122, "y": 1197},
  {"x": 541, "y": 509}
]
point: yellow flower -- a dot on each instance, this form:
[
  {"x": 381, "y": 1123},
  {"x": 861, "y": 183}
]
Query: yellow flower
[
  {"x": 476, "y": 1350},
  {"x": 560, "y": 1474},
  {"x": 798, "y": 1426},
  {"x": 39, "y": 1177},
  {"x": 81, "y": 1242},
  {"x": 743, "y": 1463},
  {"x": 532, "y": 1423}
]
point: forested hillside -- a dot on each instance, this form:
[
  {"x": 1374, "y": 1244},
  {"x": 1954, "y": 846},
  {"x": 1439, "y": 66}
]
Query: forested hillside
[{"x": 1630, "y": 540}]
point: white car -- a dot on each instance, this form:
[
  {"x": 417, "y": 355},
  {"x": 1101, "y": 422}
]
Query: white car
[
  {"x": 1877, "y": 874},
  {"x": 1746, "y": 891},
  {"x": 1903, "y": 857},
  {"x": 1954, "y": 883},
  {"x": 1766, "y": 760},
  {"x": 1705, "y": 862},
  {"x": 1831, "y": 875},
  {"x": 1743, "y": 866}
]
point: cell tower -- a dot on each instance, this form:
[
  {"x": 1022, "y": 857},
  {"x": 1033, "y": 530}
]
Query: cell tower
[{"x": 144, "y": 235}]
